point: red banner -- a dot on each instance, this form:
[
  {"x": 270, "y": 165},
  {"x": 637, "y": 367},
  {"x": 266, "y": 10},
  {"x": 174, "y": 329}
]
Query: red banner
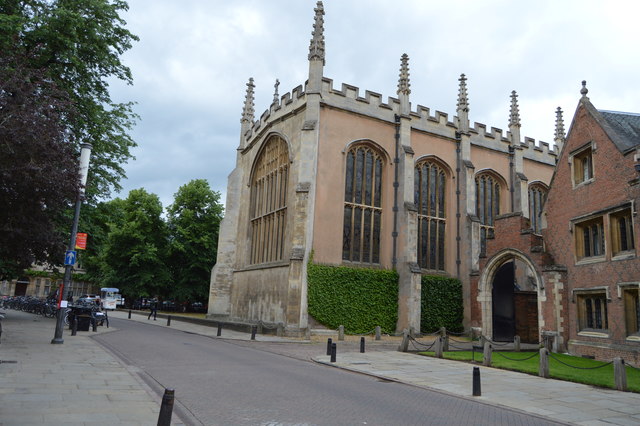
[{"x": 81, "y": 241}]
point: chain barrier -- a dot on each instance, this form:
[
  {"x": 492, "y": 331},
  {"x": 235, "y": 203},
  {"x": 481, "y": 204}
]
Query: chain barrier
[
  {"x": 458, "y": 347},
  {"x": 264, "y": 325},
  {"x": 632, "y": 366},
  {"x": 497, "y": 344},
  {"x": 435, "y": 333},
  {"x": 459, "y": 341},
  {"x": 462, "y": 333},
  {"x": 579, "y": 368},
  {"x": 426, "y": 347},
  {"x": 535, "y": 354}
]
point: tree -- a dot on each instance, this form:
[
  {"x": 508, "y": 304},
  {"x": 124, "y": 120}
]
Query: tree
[
  {"x": 55, "y": 59},
  {"x": 194, "y": 221},
  {"x": 98, "y": 222},
  {"x": 38, "y": 166},
  {"x": 77, "y": 45},
  {"x": 134, "y": 255}
]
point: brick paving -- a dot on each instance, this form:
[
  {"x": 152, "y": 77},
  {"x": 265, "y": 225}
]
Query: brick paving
[{"x": 80, "y": 383}]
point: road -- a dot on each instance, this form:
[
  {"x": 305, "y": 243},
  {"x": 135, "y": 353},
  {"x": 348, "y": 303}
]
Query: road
[{"x": 224, "y": 382}]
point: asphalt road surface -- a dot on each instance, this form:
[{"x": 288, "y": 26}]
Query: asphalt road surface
[{"x": 225, "y": 382}]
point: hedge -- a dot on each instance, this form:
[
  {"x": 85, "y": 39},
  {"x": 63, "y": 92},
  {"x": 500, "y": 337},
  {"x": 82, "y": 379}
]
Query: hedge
[
  {"x": 441, "y": 304},
  {"x": 358, "y": 298}
]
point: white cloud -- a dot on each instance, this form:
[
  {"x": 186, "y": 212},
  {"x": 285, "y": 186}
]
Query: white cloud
[{"x": 195, "y": 57}]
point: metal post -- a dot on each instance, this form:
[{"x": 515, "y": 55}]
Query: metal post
[
  {"x": 168, "y": 320},
  {"x": 253, "y": 332},
  {"x": 94, "y": 324},
  {"x": 378, "y": 332},
  {"x": 476, "y": 382},
  {"x": 362, "y": 345},
  {"x": 329, "y": 341},
  {"x": 85, "y": 154},
  {"x": 129, "y": 313},
  {"x": 166, "y": 409},
  {"x": 341, "y": 332},
  {"x": 516, "y": 343},
  {"x": 334, "y": 349},
  {"x": 219, "y": 330},
  {"x": 74, "y": 326}
]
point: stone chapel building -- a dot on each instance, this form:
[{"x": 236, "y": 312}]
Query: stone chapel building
[{"x": 364, "y": 181}]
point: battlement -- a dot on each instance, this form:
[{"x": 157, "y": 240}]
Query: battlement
[
  {"x": 372, "y": 104},
  {"x": 288, "y": 102}
]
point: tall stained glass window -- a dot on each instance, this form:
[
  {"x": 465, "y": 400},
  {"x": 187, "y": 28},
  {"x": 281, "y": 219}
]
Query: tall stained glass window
[
  {"x": 429, "y": 190},
  {"x": 487, "y": 206},
  {"x": 362, "y": 205},
  {"x": 269, "y": 202}
]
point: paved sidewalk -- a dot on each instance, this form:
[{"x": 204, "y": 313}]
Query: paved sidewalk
[
  {"x": 555, "y": 399},
  {"x": 80, "y": 383},
  {"x": 74, "y": 383}
]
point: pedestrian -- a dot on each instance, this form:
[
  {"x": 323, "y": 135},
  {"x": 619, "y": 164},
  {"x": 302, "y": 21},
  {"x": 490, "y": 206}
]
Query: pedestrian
[{"x": 153, "y": 306}]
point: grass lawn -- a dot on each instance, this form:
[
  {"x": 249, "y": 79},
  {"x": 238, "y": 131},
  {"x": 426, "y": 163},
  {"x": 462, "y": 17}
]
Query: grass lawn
[{"x": 528, "y": 362}]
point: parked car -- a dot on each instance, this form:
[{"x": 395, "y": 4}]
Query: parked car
[
  {"x": 169, "y": 305},
  {"x": 197, "y": 307},
  {"x": 140, "y": 304}
]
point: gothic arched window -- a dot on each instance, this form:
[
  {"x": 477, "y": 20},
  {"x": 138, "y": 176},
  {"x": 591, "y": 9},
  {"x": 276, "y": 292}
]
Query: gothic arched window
[
  {"x": 362, "y": 205},
  {"x": 429, "y": 190},
  {"x": 269, "y": 202},
  {"x": 537, "y": 196},
  {"x": 487, "y": 206}
]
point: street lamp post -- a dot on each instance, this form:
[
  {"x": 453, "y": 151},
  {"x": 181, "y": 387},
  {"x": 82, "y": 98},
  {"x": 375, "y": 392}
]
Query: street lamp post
[{"x": 85, "y": 153}]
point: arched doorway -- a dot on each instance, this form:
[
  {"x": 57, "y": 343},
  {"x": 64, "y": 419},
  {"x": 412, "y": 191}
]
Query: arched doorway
[{"x": 510, "y": 298}]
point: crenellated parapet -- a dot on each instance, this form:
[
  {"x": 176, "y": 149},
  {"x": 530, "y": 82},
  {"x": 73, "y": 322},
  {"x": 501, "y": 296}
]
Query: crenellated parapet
[
  {"x": 288, "y": 103},
  {"x": 372, "y": 104}
]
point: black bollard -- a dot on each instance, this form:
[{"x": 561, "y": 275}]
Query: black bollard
[
  {"x": 334, "y": 349},
  {"x": 166, "y": 409},
  {"x": 254, "y": 328},
  {"x": 329, "y": 341},
  {"x": 219, "y": 330},
  {"x": 74, "y": 326},
  {"x": 168, "y": 320},
  {"x": 129, "y": 313},
  {"x": 95, "y": 324},
  {"x": 362, "y": 345},
  {"x": 476, "y": 381}
]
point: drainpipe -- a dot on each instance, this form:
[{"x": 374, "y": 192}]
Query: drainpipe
[
  {"x": 458, "y": 165},
  {"x": 512, "y": 176},
  {"x": 396, "y": 184}
]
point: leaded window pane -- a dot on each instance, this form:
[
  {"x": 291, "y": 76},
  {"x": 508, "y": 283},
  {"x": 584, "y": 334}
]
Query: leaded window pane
[
  {"x": 429, "y": 187},
  {"x": 363, "y": 201}
]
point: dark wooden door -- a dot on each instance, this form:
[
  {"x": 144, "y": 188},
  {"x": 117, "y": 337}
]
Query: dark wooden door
[{"x": 504, "y": 322}]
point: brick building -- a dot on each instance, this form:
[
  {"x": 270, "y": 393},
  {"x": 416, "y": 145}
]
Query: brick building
[{"x": 581, "y": 260}]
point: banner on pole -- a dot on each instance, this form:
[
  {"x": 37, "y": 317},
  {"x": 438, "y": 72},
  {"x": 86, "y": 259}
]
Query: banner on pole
[{"x": 81, "y": 241}]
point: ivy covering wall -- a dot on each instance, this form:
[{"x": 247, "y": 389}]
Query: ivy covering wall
[
  {"x": 358, "y": 298},
  {"x": 441, "y": 304}
]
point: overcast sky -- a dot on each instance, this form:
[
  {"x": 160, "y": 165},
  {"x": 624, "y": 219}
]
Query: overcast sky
[{"x": 195, "y": 57}]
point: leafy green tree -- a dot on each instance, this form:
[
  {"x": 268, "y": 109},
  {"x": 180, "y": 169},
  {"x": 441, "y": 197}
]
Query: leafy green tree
[
  {"x": 134, "y": 255},
  {"x": 98, "y": 222},
  {"x": 56, "y": 57},
  {"x": 77, "y": 45},
  {"x": 194, "y": 221}
]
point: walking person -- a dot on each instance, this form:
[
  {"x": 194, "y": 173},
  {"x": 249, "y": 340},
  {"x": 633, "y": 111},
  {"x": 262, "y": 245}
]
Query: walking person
[{"x": 153, "y": 306}]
